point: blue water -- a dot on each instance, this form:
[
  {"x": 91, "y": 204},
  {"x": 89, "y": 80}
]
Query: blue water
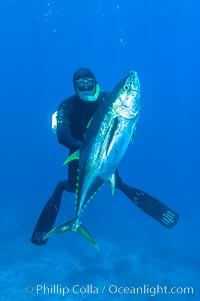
[{"x": 42, "y": 44}]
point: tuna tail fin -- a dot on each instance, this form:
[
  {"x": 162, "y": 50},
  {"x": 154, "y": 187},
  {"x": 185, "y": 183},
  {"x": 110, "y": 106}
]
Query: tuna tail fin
[
  {"x": 74, "y": 226},
  {"x": 86, "y": 234}
]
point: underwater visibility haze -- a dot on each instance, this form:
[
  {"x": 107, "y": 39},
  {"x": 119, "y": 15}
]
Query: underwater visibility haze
[{"x": 42, "y": 44}]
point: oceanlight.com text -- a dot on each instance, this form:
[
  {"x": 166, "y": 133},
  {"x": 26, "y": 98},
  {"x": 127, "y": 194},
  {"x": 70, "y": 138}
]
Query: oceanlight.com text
[
  {"x": 111, "y": 289},
  {"x": 150, "y": 290}
]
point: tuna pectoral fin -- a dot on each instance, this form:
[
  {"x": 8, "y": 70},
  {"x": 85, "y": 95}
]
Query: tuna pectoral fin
[
  {"x": 112, "y": 182},
  {"x": 74, "y": 156},
  {"x": 74, "y": 226},
  {"x": 133, "y": 137}
]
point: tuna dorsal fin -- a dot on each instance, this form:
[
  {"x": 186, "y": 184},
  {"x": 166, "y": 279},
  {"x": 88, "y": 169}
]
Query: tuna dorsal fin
[
  {"x": 112, "y": 182},
  {"x": 74, "y": 156}
]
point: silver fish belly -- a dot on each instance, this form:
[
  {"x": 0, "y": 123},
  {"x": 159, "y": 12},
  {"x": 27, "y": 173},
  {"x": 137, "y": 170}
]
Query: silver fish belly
[{"x": 106, "y": 141}]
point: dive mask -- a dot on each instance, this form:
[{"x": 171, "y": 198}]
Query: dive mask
[{"x": 85, "y": 84}]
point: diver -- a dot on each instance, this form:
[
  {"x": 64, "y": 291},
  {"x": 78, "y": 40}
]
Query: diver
[{"x": 72, "y": 118}]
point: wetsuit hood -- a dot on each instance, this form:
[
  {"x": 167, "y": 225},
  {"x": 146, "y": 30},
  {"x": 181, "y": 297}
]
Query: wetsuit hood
[
  {"x": 91, "y": 95},
  {"x": 83, "y": 73}
]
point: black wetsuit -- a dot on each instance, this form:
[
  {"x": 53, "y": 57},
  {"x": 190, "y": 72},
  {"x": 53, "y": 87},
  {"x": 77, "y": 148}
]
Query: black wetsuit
[{"x": 72, "y": 120}]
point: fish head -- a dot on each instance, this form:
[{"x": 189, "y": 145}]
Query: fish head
[{"x": 127, "y": 103}]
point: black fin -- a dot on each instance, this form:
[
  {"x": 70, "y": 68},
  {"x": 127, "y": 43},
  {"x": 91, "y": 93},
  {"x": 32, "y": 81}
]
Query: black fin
[
  {"x": 151, "y": 206},
  {"x": 47, "y": 217}
]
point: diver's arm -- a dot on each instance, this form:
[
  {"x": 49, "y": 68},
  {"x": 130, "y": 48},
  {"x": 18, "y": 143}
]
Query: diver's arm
[{"x": 64, "y": 135}]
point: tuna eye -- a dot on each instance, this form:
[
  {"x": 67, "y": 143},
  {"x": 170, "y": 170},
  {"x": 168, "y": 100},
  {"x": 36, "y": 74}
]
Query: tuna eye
[{"x": 126, "y": 87}]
